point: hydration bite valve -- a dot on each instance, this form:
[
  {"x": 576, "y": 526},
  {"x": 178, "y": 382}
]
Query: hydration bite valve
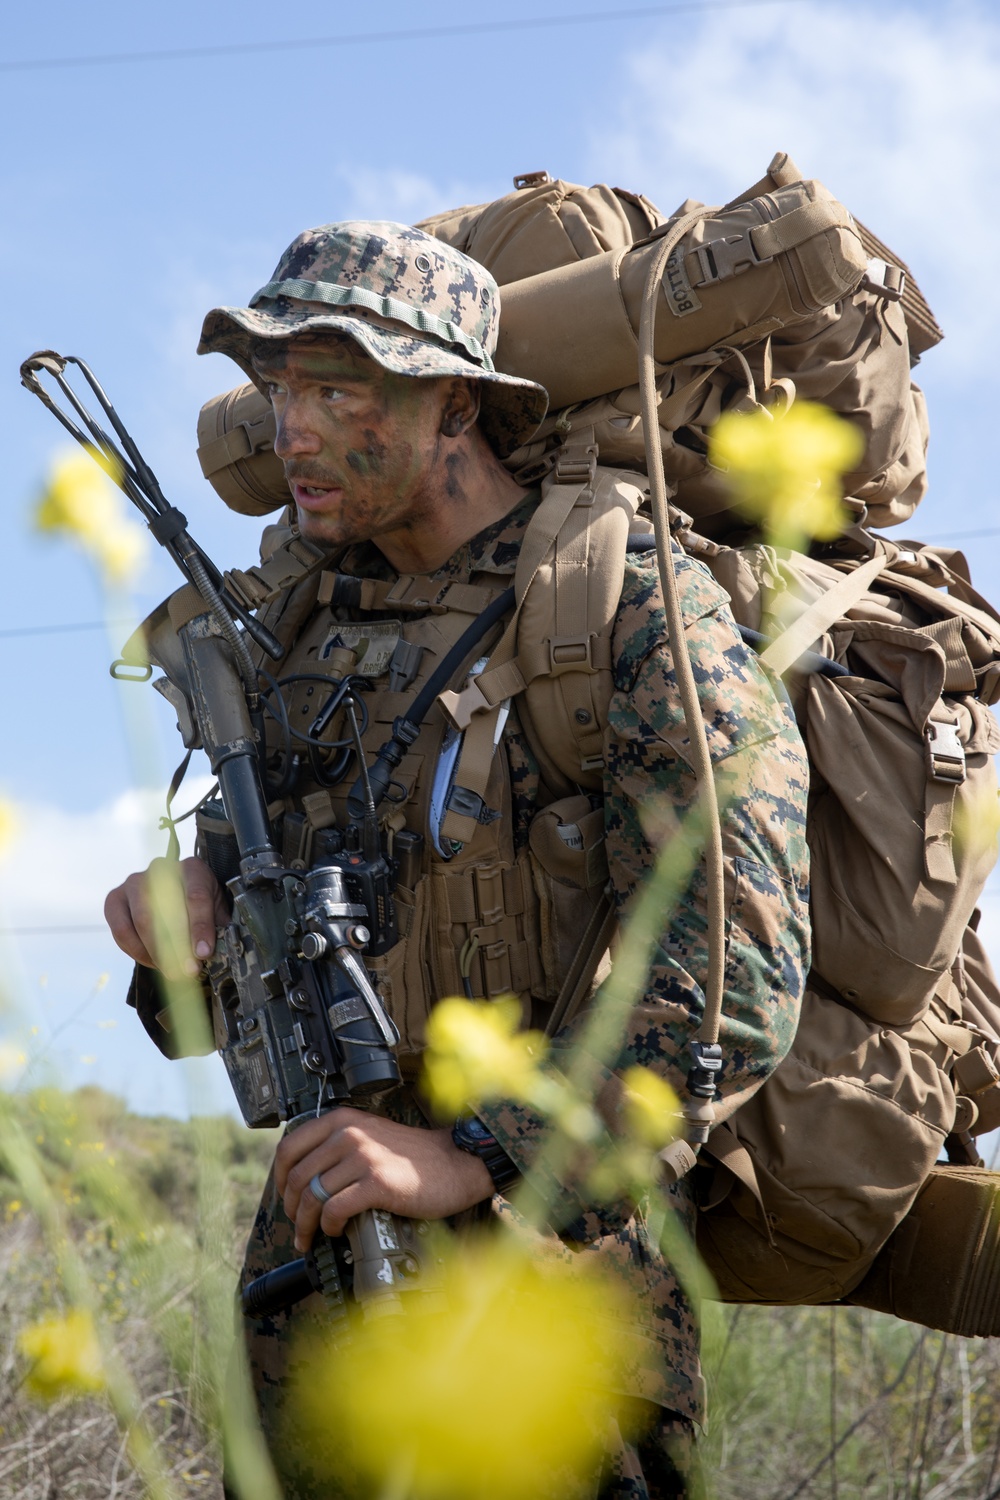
[{"x": 702, "y": 1084}]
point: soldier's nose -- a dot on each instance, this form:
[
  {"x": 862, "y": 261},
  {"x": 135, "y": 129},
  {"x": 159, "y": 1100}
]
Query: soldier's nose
[{"x": 295, "y": 437}]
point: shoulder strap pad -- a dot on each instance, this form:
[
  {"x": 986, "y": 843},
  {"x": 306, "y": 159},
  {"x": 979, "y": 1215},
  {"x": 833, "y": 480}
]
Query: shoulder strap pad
[{"x": 556, "y": 650}]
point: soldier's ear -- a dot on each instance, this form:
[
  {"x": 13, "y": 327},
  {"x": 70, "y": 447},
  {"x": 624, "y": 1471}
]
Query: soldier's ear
[{"x": 461, "y": 407}]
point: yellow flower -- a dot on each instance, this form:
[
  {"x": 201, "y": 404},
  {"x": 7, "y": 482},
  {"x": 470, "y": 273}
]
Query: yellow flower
[
  {"x": 786, "y": 468},
  {"x": 651, "y": 1108},
  {"x": 8, "y": 824},
  {"x": 12, "y": 1060},
  {"x": 81, "y": 501},
  {"x": 475, "y": 1053},
  {"x": 504, "y": 1390},
  {"x": 977, "y": 825},
  {"x": 65, "y": 1354}
]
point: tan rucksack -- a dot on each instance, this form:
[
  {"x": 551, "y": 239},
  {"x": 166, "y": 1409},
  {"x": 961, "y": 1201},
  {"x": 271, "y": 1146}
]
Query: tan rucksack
[
  {"x": 820, "y": 302},
  {"x": 816, "y": 1171},
  {"x": 837, "y": 314},
  {"x": 895, "y": 1058}
]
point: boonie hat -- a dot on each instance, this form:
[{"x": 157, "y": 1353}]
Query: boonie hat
[{"x": 416, "y": 305}]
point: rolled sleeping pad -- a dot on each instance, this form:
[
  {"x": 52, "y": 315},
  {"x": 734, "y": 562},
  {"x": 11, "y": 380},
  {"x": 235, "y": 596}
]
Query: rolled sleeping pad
[
  {"x": 236, "y": 434},
  {"x": 737, "y": 275},
  {"x": 941, "y": 1265}
]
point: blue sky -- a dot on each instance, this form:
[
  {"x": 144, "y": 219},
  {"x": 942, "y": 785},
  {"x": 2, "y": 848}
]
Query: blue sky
[{"x": 138, "y": 195}]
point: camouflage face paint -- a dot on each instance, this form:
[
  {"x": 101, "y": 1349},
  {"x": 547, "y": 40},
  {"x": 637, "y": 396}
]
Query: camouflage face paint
[{"x": 360, "y": 443}]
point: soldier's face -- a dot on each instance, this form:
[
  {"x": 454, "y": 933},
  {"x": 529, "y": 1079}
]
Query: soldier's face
[{"x": 359, "y": 443}]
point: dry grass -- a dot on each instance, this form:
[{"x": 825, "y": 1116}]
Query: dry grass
[
  {"x": 849, "y": 1404},
  {"x": 806, "y": 1403},
  {"x": 130, "y": 1186}
]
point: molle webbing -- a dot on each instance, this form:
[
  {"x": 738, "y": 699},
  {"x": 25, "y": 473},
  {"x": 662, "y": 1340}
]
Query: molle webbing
[
  {"x": 410, "y": 592},
  {"x": 287, "y": 566}
]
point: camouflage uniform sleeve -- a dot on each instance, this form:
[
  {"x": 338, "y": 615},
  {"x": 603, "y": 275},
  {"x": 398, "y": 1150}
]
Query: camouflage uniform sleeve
[{"x": 762, "y": 777}]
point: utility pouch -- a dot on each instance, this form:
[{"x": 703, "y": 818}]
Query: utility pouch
[
  {"x": 823, "y": 1162},
  {"x": 570, "y": 869}
]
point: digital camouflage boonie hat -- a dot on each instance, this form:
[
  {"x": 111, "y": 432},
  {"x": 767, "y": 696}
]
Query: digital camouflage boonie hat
[{"x": 413, "y": 303}]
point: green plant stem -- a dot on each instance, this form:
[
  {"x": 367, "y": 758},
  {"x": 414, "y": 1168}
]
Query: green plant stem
[
  {"x": 25, "y": 1166},
  {"x": 232, "y": 1411},
  {"x": 600, "y": 1040}
]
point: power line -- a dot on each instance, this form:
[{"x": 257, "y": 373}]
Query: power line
[
  {"x": 368, "y": 38},
  {"x": 59, "y": 629},
  {"x": 49, "y": 931}
]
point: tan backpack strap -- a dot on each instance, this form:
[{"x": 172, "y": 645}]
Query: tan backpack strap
[
  {"x": 570, "y": 483},
  {"x": 794, "y": 228},
  {"x": 243, "y": 441},
  {"x": 959, "y": 1039},
  {"x": 580, "y": 976},
  {"x": 472, "y": 775},
  {"x": 945, "y": 760},
  {"x": 785, "y": 650},
  {"x": 412, "y": 591}
]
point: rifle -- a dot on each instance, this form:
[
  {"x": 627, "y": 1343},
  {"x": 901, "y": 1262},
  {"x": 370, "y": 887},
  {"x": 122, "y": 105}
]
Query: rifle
[{"x": 300, "y": 1026}]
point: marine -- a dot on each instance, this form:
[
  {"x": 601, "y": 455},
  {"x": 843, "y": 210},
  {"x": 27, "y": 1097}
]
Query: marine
[{"x": 374, "y": 343}]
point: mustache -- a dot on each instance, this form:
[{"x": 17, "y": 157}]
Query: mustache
[{"x": 301, "y": 471}]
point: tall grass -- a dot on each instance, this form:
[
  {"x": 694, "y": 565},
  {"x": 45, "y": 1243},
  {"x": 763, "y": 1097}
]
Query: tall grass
[
  {"x": 804, "y": 1402},
  {"x": 128, "y": 1188}
]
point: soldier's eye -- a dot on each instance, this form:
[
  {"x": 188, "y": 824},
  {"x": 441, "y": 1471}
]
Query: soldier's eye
[{"x": 332, "y": 393}]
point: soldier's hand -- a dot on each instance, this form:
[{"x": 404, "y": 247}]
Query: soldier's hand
[
  {"x": 137, "y": 913},
  {"x": 365, "y": 1161}
]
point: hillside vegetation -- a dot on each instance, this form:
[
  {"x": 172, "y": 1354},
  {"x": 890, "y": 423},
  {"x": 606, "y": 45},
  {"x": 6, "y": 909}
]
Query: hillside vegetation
[{"x": 812, "y": 1402}]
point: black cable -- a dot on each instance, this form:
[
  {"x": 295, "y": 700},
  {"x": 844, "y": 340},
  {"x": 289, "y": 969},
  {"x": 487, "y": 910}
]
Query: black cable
[
  {"x": 348, "y": 687},
  {"x": 406, "y": 728},
  {"x": 445, "y": 669},
  {"x": 368, "y": 38}
]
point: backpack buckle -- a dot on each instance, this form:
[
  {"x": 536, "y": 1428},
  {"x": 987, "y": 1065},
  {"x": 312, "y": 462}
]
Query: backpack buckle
[
  {"x": 530, "y": 179},
  {"x": 945, "y": 753},
  {"x": 727, "y": 256},
  {"x": 571, "y": 653},
  {"x": 577, "y": 465}
]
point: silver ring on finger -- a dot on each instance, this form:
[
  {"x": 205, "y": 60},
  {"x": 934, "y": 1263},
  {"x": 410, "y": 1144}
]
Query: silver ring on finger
[{"x": 318, "y": 1191}]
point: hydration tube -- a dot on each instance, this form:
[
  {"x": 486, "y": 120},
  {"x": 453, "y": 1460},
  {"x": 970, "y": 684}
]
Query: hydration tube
[{"x": 699, "y": 1108}]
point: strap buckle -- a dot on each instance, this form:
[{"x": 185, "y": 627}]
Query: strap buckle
[
  {"x": 884, "y": 278},
  {"x": 571, "y": 653},
  {"x": 727, "y": 256},
  {"x": 577, "y": 465},
  {"x": 530, "y": 179},
  {"x": 945, "y": 753}
]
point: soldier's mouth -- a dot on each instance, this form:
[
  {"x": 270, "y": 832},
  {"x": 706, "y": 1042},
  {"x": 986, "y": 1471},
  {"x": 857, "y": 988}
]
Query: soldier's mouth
[{"x": 315, "y": 496}]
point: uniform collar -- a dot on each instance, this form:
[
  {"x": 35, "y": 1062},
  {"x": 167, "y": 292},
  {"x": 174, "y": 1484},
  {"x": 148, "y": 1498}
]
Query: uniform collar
[{"x": 493, "y": 550}]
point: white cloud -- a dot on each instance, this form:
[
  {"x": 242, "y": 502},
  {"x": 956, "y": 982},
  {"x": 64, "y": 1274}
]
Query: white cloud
[
  {"x": 62, "y": 993},
  {"x": 387, "y": 193},
  {"x": 61, "y": 864},
  {"x": 896, "y": 109}
]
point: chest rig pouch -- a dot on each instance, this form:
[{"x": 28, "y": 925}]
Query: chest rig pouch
[{"x": 494, "y": 830}]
